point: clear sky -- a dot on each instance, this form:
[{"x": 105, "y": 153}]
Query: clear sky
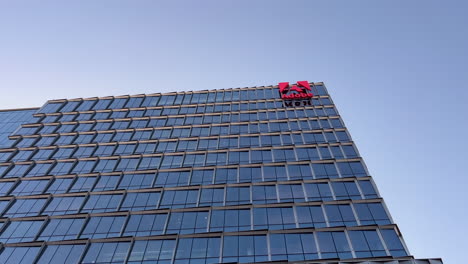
[{"x": 397, "y": 71}]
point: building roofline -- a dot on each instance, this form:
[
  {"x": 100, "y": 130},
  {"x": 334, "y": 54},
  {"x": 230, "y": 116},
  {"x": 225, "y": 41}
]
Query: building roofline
[
  {"x": 167, "y": 93},
  {"x": 20, "y": 109}
]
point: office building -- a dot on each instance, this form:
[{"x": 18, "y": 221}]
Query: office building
[{"x": 259, "y": 174}]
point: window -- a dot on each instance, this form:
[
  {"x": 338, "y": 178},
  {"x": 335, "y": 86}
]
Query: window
[
  {"x": 48, "y": 129},
  {"x": 293, "y": 247},
  {"x": 263, "y": 194},
  {"x": 349, "y": 169},
  {"x": 202, "y": 177},
  {"x": 371, "y": 214},
  {"x": 150, "y": 101},
  {"x": 297, "y": 172},
  {"x": 198, "y": 250},
  {"x": 102, "y": 203},
  {"x": 30, "y": 187},
  {"x": 152, "y": 251},
  {"x": 325, "y": 170},
  {"x": 65, "y": 140},
  {"x": 172, "y": 178},
  {"x": 106, "y": 183},
  {"x": 146, "y": 148},
  {"x": 368, "y": 189},
  {"x": 62, "y": 168},
  {"x": 122, "y": 136},
  {"x": 136, "y": 181},
  {"x": 179, "y": 199},
  {"x": 346, "y": 190},
  {"x": 26, "y": 142},
  {"x": 39, "y": 169},
  {"x": 167, "y": 146},
  {"x": 291, "y": 193},
  {"x": 103, "y": 137},
  {"x": 366, "y": 244},
  {"x": 83, "y": 184},
  {"x": 20, "y": 231},
  {"x": 127, "y": 164},
  {"x": 134, "y": 102},
  {"x": 83, "y": 166},
  {"x": 349, "y": 151},
  {"x": 62, "y": 229},
  {"x": 105, "y": 165},
  {"x": 251, "y": 174},
  {"x": 174, "y": 161},
  {"x": 86, "y": 105},
  {"x": 140, "y": 201},
  {"x": 84, "y": 138},
  {"x": 274, "y": 173},
  {"x": 82, "y": 152},
  {"x": 61, "y": 254},
  {"x": 191, "y": 160},
  {"x": 274, "y": 218},
  {"x": 5, "y": 188},
  {"x": 340, "y": 215},
  {"x": 63, "y": 153},
  {"x": 142, "y": 135},
  {"x": 45, "y": 141},
  {"x": 211, "y": 197},
  {"x": 145, "y": 225},
  {"x": 237, "y": 195},
  {"x": 245, "y": 249},
  {"x": 25, "y": 207},
  {"x": 103, "y": 226},
  {"x": 104, "y": 150},
  {"x": 59, "y": 185},
  {"x": 230, "y": 220},
  {"x": 310, "y": 216},
  {"x": 125, "y": 149},
  {"x": 19, "y": 255},
  {"x": 393, "y": 242},
  {"x": 187, "y": 222},
  {"x": 261, "y": 156},
  {"x": 106, "y": 253},
  {"x": 334, "y": 245},
  {"x": 102, "y": 104},
  {"x": 64, "y": 205},
  {"x": 68, "y": 117},
  {"x": 318, "y": 192},
  {"x": 149, "y": 163},
  {"x": 43, "y": 154},
  {"x": 22, "y": 155},
  {"x": 17, "y": 171},
  {"x": 70, "y": 106}
]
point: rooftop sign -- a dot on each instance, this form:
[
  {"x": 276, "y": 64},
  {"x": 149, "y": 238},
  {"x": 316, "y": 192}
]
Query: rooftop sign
[{"x": 299, "y": 91}]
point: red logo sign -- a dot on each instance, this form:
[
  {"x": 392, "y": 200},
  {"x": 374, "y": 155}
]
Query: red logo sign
[{"x": 299, "y": 91}]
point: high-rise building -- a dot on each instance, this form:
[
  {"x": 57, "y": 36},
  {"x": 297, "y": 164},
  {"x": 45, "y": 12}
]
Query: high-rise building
[{"x": 259, "y": 174}]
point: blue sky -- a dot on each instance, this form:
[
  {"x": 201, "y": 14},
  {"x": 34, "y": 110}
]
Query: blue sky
[{"x": 397, "y": 71}]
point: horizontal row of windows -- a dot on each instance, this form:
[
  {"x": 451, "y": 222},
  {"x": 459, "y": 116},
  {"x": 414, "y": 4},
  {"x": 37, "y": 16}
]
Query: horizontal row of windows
[
  {"x": 322, "y": 152},
  {"x": 164, "y": 100},
  {"x": 183, "y": 133},
  {"x": 252, "y": 155},
  {"x": 244, "y": 174},
  {"x": 176, "y": 121},
  {"x": 345, "y": 244},
  {"x": 230, "y": 220},
  {"x": 189, "y": 198},
  {"x": 177, "y": 110},
  {"x": 150, "y": 180}
]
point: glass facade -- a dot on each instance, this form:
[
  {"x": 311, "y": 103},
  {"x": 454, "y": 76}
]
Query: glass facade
[{"x": 233, "y": 175}]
